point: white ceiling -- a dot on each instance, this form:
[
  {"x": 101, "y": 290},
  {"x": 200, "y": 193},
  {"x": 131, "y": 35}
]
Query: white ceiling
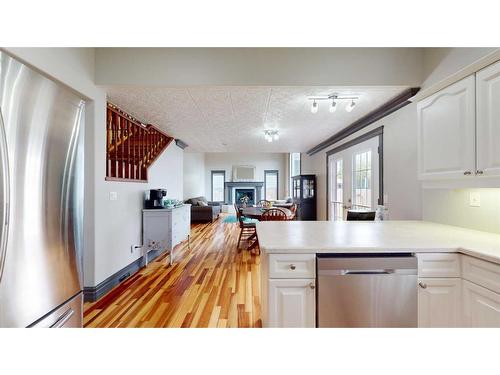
[{"x": 219, "y": 119}]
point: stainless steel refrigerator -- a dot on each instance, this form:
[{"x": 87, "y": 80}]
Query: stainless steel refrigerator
[{"x": 41, "y": 199}]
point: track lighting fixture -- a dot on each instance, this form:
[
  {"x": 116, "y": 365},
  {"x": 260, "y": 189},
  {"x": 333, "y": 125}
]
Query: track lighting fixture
[
  {"x": 271, "y": 135},
  {"x": 334, "y": 102}
]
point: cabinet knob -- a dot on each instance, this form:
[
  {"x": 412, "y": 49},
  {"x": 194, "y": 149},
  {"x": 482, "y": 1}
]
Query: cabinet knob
[
  {"x": 312, "y": 286},
  {"x": 422, "y": 285},
  {"x": 467, "y": 173},
  {"x": 292, "y": 267},
  {"x": 479, "y": 172}
]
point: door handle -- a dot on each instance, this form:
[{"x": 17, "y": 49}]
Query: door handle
[
  {"x": 62, "y": 320},
  {"x": 5, "y": 195}
]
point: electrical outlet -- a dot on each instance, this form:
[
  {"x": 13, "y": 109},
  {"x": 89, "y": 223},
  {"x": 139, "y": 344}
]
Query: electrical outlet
[
  {"x": 475, "y": 199},
  {"x": 113, "y": 196}
]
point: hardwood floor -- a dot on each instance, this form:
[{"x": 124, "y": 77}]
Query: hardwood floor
[{"x": 209, "y": 285}]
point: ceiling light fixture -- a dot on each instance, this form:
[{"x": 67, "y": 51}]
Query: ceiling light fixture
[
  {"x": 271, "y": 134},
  {"x": 314, "y": 107},
  {"x": 334, "y": 98}
]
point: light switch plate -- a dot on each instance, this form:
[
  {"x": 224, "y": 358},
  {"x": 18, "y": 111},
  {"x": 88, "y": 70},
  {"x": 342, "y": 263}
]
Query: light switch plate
[
  {"x": 475, "y": 199},
  {"x": 113, "y": 196}
]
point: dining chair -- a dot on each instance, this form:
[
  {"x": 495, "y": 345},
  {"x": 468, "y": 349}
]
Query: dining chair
[
  {"x": 274, "y": 214},
  {"x": 293, "y": 210},
  {"x": 247, "y": 227}
]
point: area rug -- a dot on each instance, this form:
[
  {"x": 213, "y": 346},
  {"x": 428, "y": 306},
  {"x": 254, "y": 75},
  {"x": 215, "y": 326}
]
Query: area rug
[
  {"x": 230, "y": 219},
  {"x": 233, "y": 219}
]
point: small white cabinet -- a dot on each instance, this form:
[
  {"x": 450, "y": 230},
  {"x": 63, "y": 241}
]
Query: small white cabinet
[
  {"x": 288, "y": 288},
  {"x": 439, "y": 302},
  {"x": 446, "y": 132},
  {"x": 292, "y": 303},
  {"x": 163, "y": 229},
  {"x": 488, "y": 120}
]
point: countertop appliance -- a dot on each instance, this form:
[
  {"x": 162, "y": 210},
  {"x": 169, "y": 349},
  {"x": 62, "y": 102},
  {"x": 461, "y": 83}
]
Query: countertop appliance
[
  {"x": 41, "y": 199},
  {"x": 154, "y": 198},
  {"x": 367, "y": 290}
]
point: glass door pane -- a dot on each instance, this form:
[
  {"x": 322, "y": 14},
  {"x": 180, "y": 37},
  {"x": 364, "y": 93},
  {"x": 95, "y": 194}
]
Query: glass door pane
[{"x": 353, "y": 179}]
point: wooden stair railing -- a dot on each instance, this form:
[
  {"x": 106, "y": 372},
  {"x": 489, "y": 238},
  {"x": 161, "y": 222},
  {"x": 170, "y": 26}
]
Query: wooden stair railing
[{"x": 131, "y": 146}]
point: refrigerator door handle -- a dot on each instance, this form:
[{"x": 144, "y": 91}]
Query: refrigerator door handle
[{"x": 4, "y": 195}]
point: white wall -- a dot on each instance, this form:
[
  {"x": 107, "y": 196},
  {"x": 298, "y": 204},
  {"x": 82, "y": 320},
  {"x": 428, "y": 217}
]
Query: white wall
[
  {"x": 111, "y": 227},
  {"x": 440, "y": 63},
  {"x": 194, "y": 174},
  {"x": 452, "y": 207},
  {"x": 261, "y": 161},
  {"x": 259, "y": 66},
  {"x": 119, "y": 223},
  {"x": 401, "y": 186}
]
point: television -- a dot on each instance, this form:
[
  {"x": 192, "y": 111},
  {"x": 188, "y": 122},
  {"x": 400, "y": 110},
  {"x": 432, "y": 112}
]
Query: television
[{"x": 243, "y": 173}]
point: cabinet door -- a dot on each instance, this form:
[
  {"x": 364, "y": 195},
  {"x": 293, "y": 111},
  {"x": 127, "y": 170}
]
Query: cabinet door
[
  {"x": 446, "y": 132},
  {"x": 439, "y": 302},
  {"x": 481, "y": 306},
  {"x": 292, "y": 303},
  {"x": 488, "y": 120}
]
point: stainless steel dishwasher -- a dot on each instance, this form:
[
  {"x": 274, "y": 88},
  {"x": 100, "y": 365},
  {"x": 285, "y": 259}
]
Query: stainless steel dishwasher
[{"x": 367, "y": 290}]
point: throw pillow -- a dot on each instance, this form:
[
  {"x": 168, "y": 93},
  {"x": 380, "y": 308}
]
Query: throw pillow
[{"x": 202, "y": 203}]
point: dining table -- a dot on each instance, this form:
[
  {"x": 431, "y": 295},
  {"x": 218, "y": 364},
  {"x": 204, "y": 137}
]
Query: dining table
[{"x": 257, "y": 212}]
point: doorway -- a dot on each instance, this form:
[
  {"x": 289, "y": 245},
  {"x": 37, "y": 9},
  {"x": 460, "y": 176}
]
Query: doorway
[{"x": 355, "y": 175}]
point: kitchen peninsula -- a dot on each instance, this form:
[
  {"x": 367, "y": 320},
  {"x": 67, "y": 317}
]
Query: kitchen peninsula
[{"x": 458, "y": 269}]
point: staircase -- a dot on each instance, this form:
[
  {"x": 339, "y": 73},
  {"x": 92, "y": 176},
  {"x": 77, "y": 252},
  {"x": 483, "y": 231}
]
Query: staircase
[{"x": 131, "y": 146}]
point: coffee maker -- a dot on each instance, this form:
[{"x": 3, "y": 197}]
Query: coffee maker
[{"x": 153, "y": 199}]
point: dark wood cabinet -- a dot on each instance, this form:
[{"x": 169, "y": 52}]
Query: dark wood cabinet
[{"x": 304, "y": 195}]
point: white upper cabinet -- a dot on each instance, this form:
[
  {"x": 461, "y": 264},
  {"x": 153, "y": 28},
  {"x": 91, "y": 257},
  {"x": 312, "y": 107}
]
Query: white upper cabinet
[
  {"x": 488, "y": 120},
  {"x": 446, "y": 132}
]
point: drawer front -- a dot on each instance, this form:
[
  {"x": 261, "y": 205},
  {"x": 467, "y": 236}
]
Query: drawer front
[
  {"x": 481, "y": 272},
  {"x": 439, "y": 265},
  {"x": 292, "y": 266}
]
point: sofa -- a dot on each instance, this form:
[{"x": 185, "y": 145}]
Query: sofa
[{"x": 203, "y": 210}]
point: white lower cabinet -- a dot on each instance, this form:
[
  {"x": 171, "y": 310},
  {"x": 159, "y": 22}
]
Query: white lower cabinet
[
  {"x": 292, "y": 303},
  {"x": 439, "y": 302},
  {"x": 481, "y": 306}
]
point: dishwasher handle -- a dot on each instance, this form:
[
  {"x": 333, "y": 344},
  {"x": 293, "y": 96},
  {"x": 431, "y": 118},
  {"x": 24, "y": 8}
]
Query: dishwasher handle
[
  {"x": 382, "y": 271},
  {"x": 367, "y": 272}
]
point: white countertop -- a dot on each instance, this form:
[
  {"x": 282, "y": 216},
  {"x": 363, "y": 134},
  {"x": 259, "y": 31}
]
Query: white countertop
[{"x": 372, "y": 237}]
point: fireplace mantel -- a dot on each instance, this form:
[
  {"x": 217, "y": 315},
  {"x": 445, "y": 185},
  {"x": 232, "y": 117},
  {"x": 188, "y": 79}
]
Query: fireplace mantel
[{"x": 230, "y": 186}]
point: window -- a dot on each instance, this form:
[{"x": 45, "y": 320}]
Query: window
[
  {"x": 361, "y": 178},
  {"x": 271, "y": 185},
  {"x": 294, "y": 163},
  {"x": 218, "y": 179}
]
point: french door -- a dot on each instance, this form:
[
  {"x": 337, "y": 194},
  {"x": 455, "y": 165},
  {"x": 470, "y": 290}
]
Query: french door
[{"x": 353, "y": 179}]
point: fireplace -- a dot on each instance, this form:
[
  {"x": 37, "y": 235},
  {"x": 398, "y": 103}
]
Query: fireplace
[
  {"x": 254, "y": 188},
  {"x": 240, "y": 193}
]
